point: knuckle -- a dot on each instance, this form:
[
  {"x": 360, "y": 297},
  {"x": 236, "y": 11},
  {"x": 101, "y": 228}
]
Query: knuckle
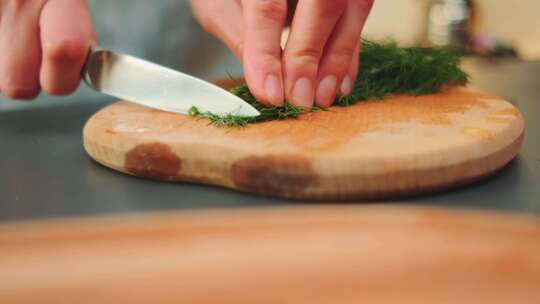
[
  {"x": 343, "y": 56},
  {"x": 308, "y": 55},
  {"x": 64, "y": 89},
  {"x": 272, "y": 9},
  {"x": 17, "y": 91},
  {"x": 66, "y": 51},
  {"x": 340, "y": 60},
  {"x": 265, "y": 62}
]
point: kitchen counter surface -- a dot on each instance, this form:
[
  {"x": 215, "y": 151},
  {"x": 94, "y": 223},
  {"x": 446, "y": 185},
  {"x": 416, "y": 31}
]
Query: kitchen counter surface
[{"x": 44, "y": 171}]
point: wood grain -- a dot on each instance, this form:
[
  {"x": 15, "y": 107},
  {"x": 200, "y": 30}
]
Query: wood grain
[
  {"x": 345, "y": 254},
  {"x": 399, "y": 146}
]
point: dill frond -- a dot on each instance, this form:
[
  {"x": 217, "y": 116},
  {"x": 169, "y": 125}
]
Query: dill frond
[{"x": 385, "y": 69}]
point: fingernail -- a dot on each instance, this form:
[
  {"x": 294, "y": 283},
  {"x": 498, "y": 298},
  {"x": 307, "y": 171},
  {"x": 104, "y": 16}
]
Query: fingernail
[
  {"x": 346, "y": 86},
  {"x": 326, "y": 90},
  {"x": 302, "y": 93},
  {"x": 274, "y": 90}
]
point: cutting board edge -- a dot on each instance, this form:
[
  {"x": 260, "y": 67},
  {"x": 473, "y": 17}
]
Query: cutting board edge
[{"x": 330, "y": 187}]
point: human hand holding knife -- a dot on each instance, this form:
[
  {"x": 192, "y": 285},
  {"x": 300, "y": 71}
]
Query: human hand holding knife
[{"x": 44, "y": 45}]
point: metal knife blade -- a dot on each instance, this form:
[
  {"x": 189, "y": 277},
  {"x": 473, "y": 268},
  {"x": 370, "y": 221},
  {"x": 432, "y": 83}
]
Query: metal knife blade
[{"x": 155, "y": 86}]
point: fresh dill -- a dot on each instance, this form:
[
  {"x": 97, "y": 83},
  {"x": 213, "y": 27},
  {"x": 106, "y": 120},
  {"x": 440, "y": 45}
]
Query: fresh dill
[
  {"x": 385, "y": 69},
  {"x": 267, "y": 113}
]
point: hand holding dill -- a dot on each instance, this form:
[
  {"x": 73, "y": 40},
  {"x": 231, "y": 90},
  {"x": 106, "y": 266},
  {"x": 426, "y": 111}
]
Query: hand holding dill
[
  {"x": 319, "y": 60},
  {"x": 387, "y": 69}
]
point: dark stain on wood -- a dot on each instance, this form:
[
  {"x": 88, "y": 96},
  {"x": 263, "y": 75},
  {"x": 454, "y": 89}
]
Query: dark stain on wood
[
  {"x": 153, "y": 160},
  {"x": 274, "y": 175}
]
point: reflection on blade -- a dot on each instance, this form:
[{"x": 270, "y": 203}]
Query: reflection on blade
[{"x": 159, "y": 87}]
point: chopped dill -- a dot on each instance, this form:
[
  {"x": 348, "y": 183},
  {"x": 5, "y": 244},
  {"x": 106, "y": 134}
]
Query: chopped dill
[
  {"x": 267, "y": 113},
  {"x": 385, "y": 69}
]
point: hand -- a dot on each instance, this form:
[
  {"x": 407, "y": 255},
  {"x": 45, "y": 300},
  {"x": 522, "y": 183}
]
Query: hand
[
  {"x": 43, "y": 45},
  {"x": 320, "y": 59}
]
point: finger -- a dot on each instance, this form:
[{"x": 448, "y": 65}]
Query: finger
[
  {"x": 222, "y": 19},
  {"x": 264, "y": 22},
  {"x": 311, "y": 28},
  {"x": 66, "y": 35},
  {"x": 353, "y": 71},
  {"x": 20, "y": 58},
  {"x": 346, "y": 86},
  {"x": 339, "y": 65}
]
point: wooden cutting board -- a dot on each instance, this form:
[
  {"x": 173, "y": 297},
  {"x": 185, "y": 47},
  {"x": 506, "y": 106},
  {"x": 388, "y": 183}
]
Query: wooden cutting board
[
  {"x": 343, "y": 254},
  {"x": 399, "y": 146}
]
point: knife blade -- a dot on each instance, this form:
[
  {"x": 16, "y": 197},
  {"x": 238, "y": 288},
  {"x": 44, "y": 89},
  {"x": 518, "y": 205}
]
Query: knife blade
[{"x": 149, "y": 84}]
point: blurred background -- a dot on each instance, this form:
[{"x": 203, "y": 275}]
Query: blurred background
[
  {"x": 513, "y": 23},
  {"x": 165, "y": 32}
]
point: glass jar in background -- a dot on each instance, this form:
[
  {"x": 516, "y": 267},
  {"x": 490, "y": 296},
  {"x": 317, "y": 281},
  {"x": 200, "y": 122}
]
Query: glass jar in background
[{"x": 450, "y": 23}]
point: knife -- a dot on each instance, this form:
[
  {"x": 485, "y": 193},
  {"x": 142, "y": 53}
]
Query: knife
[{"x": 148, "y": 84}]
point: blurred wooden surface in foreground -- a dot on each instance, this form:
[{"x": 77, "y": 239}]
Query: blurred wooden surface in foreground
[{"x": 339, "y": 254}]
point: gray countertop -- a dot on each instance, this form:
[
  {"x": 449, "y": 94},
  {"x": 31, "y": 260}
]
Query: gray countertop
[{"x": 44, "y": 171}]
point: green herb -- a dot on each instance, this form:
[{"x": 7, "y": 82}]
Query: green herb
[
  {"x": 267, "y": 113},
  {"x": 385, "y": 69}
]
